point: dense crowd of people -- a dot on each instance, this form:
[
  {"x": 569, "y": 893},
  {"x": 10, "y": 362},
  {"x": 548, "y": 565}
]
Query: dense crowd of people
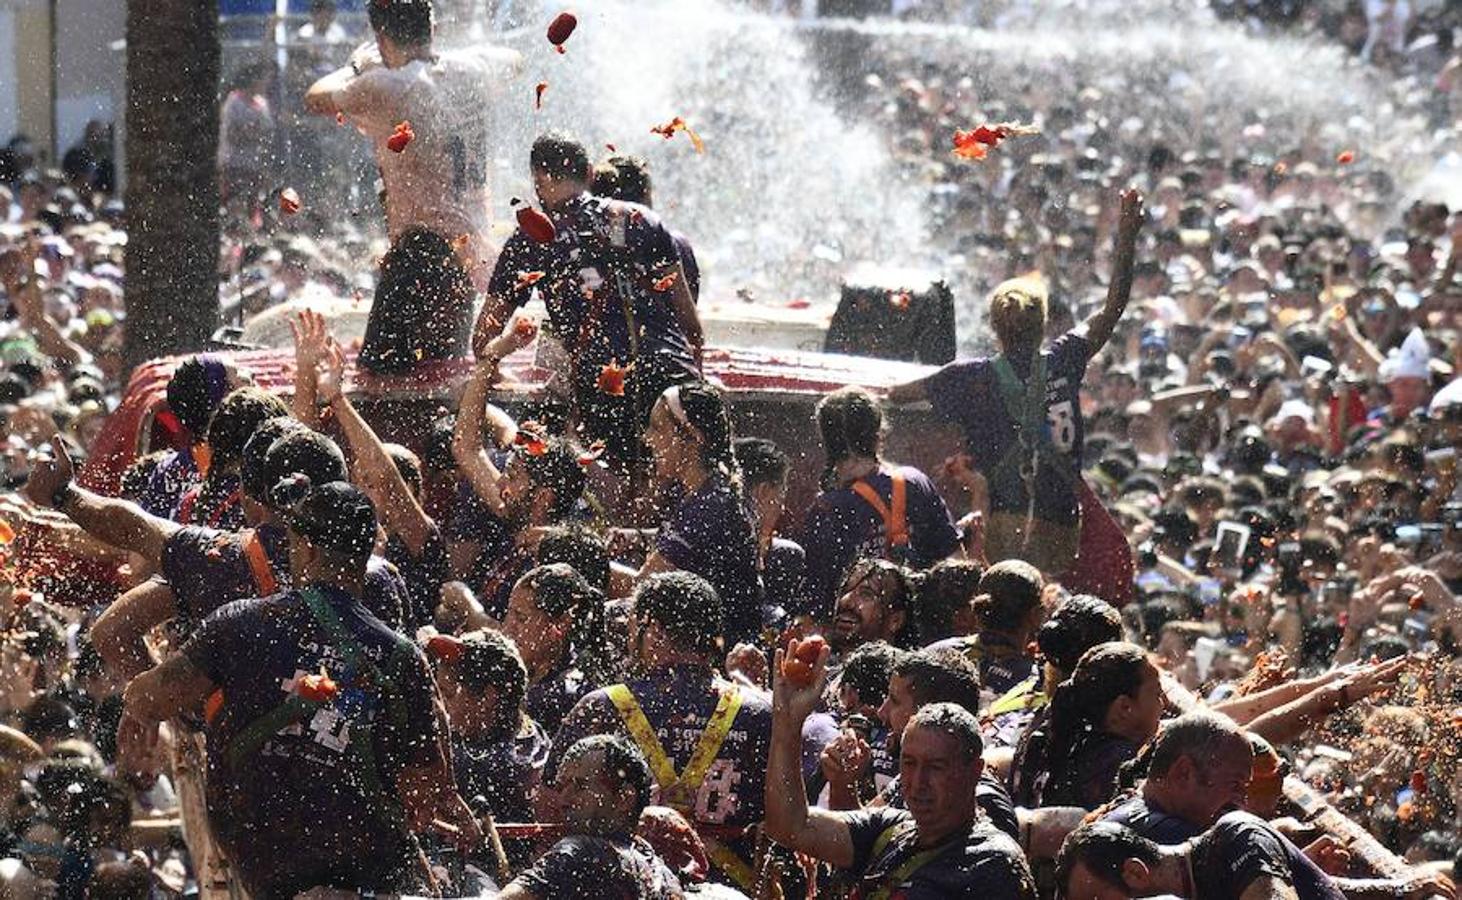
[{"x": 1201, "y": 532}]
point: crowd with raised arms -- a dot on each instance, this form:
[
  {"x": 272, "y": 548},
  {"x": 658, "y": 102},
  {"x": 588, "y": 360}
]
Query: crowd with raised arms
[{"x": 1202, "y": 531}]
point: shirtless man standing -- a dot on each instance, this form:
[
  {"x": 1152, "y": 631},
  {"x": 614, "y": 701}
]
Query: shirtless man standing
[{"x": 436, "y": 183}]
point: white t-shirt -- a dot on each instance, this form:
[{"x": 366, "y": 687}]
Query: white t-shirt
[{"x": 440, "y": 181}]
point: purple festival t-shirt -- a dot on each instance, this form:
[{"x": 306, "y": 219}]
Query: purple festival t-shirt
[
  {"x": 967, "y": 392},
  {"x": 841, "y": 527},
  {"x": 207, "y": 568},
  {"x": 255, "y": 651}
]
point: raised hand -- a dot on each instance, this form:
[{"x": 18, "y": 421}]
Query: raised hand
[
  {"x": 332, "y": 372},
  {"x": 1130, "y": 215},
  {"x": 796, "y": 701},
  {"x": 310, "y": 340},
  {"x": 49, "y": 472}
]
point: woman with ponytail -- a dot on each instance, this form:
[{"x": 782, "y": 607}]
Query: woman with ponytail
[
  {"x": 1098, "y": 719},
  {"x": 556, "y": 619},
  {"x": 868, "y": 508},
  {"x": 709, "y": 531},
  {"x": 1021, "y": 411}
]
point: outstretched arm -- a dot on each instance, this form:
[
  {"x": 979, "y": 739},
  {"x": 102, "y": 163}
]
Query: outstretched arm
[
  {"x": 119, "y": 634},
  {"x": 119, "y": 523},
  {"x": 401, "y": 512},
  {"x": 467, "y": 447},
  {"x": 1100, "y": 326}
]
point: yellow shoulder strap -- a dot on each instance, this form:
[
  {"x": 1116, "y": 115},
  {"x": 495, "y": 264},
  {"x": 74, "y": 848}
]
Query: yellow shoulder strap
[
  {"x": 643, "y": 734},
  {"x": 712, "y": 738}
]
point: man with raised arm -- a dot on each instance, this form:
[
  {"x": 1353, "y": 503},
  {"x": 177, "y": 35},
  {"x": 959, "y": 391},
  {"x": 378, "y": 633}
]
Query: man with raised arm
[{"x": 940, "y": 846}]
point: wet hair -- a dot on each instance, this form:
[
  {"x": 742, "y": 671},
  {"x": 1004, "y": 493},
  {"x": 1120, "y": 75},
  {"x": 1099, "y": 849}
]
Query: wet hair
[
  {"x": 235, "y": 421},
  {"x": 1079, "y": 704},
  {"x": 622, "y": 760},
  {"x": 1009, "y": 590},
  {"x": 867, "y": 670},
  {"x": 1102, "y": 848},
  {"x": 579, "y": 547},
  {"x": 436, "y": 455},
  {"x": 899, "y": 598},
  {"x": 559, "y": 591},
  {"x": 253, "y": 473},
  {"x": 49, "y": 718},
  {"x": 406, "y": 22},
  {"x": 1206, "y": 738},
  {"x": 686, "y": 606},
  {"x": 120, "y": 879},
  {"x": 624, "y": 178},
  {"x": 489, "y": 660},
  {"x": 851, "y": 424},
  {"x": 941, "y": 676},
  {"x": 336, "y": 518},
  {"x": 557, "y": 469},
  {"x": 1018, "y": 314},
  {"x": 761, "y": 461},
  {"x": 408, "y": 465},
  {"x": 945, "y": 589},
  {"x": 1079, "y": 623},
  {"x": 706, "y": 409},
  {"x": 300, "y": 452},
  {"x": 955, "y": 721},
  {"x": 559, "y": 155}
]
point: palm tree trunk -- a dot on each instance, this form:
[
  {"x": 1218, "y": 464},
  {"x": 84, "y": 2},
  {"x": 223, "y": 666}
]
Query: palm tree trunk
[{"x": 173, "y": 63}]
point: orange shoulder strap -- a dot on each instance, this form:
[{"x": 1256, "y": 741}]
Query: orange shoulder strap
[
  {"x": 895, "y": 520},
  {"x": 259, "y": 565}
]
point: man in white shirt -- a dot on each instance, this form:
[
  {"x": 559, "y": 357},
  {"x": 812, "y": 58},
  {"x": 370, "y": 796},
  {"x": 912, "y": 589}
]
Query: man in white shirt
[{"x": 439, "y": 180}]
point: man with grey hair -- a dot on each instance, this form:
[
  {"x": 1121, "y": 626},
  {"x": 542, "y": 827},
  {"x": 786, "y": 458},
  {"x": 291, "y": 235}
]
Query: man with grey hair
[{"x": 940, "y": 846}]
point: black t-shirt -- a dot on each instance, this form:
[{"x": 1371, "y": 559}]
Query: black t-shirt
[
  {"x": 981, "y": 863},
  {"x": 500, "y": 777},
  {"x": 1240, "y": 848},
  {"x": 208, "y": 568},
  {"x": 1152, "y": 822},
  {"x": 602, "y": 268},
  {"x": 580, "y": 866},
  {"x": 990, "y": 794},
  {"x": 308, "y": 799}
]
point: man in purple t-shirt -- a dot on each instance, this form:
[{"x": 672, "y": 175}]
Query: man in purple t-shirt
[
  {"x": 319, "y": 707},
  {"x": 1021, "y": 411},
  {"x": 615, "y": 290}
]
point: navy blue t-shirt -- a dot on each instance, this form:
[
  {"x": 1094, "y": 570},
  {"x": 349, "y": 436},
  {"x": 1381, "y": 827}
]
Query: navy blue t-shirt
[
  {"x": 298, "y": 807},
  {"x": 1241, "y": 847},
  {"x": 710, "y": 533},
  {"x": 207, "y": 568},
  {"x": 982, "y": 863},
  {"x": 841, "y": 527},
  {"x": 174, "y": 476},
  {"x": 967, "y": 392},
  {"x": 678, "y": 701},
  {"x": 1152, "y": 822},
  {"x": 499, "y": 777},
  {"x": 607, "y": 258}
]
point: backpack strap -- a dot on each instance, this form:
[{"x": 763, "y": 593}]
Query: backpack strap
[
  {"x": 259, "y": 565},
  {"x": 896, "y": 518}
]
